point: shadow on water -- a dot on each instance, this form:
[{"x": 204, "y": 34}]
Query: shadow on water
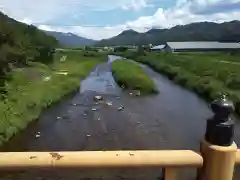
[{"x": 173, "y": 119}]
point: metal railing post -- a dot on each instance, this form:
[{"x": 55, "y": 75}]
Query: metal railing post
[{"x": 218, "y": 149}]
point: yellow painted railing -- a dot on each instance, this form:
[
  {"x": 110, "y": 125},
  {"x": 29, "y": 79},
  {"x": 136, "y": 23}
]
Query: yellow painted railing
[
  {"x": 169, "y": 160},
  {"x": 100, "y": 159},
  {"x": 238, "y": 157}
]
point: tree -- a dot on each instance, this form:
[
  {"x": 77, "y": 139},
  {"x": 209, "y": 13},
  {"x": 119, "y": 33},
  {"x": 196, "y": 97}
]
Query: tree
[
  {"x": 141, "y": 51},
  {"x": 20, "y": 43},
  {"x": 120, "y": 49}
]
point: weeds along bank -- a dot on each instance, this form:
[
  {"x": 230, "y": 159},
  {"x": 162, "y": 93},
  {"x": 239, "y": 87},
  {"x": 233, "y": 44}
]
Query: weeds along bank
[
  {"x": 208, "y": 74},
  {"x": 132, "y": 77},
  {"x": 32, "y": 88}
]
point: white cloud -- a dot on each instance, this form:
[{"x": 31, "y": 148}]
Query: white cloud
[
  {"x": 37, "y": 11},
  {"x": 212, "y": 6},
  {"x": 135, "y": 4},
  {"x": 46, "y": 10},
  {"x": 185, "y": 11},
  {"x": 88, "y": 32}
]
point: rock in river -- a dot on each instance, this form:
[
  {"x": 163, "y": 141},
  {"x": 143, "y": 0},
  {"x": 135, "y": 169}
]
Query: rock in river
[{"x": 97, "y": 98}]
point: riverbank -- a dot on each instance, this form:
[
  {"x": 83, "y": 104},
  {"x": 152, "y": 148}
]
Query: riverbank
[
  {"x": 31, "y": 89},
  {"x": 203, "y": 73},
  {"x": 172, "y": 119},
  {"x": 132, "y": 77}
]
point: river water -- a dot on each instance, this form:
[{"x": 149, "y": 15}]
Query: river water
[{"x": 173, "y": 119}]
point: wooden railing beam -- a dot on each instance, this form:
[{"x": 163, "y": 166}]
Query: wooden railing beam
[{"x": 100, "y": 159}]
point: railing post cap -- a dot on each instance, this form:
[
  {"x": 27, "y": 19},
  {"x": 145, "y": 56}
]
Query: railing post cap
[
  {"x": 222, "y": 107},
  {"x": 220, "y": 128}
]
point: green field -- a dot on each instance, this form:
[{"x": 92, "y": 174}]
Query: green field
[
  {"x": 32, "y": 88},
  {"x": 132, "y": 77},
  {"x": 208, "y": 74}
]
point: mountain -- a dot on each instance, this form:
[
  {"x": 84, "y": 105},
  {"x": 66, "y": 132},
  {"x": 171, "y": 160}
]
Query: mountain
[
  {"x": 202, "y": 31},
  {"x": 129, "y": 32},
  {"x": 71, "y": 40},
  {"x": 20, "y": 43}
]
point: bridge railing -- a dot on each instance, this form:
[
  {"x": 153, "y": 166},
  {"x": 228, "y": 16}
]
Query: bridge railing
[
  {"x": 216, "y": 160},
  {"x": 100, "y": 159}
]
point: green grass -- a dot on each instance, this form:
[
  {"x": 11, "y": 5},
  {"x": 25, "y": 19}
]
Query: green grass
[
  {"x": 132, "y": 77},
  {"x": 37, "y": 86},
  {"x": 205, "y": 74}
]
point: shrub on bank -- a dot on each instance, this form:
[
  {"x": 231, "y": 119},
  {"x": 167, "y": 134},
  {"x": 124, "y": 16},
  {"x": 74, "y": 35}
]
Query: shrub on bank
[
  {"x": 32, "y": 88},
  {"x": 238, "y": 107},
  {"x": 127, "y": 54},
  {"x": 208, "y": 78},
  {"x": 132, "y": 77},
  {"x": 120, "y": 49}
]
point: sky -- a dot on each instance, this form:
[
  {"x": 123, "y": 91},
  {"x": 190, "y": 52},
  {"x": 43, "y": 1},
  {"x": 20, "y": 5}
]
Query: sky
[{"x": 102, "y": 19}]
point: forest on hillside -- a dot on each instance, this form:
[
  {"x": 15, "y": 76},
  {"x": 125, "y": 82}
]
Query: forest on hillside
[{"x": 21, "y": 43}]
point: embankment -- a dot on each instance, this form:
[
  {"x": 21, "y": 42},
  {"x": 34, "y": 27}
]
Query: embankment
[
  {"x": 32, "y": 88},
  {"x": 203, "y": 73}
]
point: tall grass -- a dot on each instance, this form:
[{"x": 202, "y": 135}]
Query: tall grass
[
  {"x": 37, "y": 86},
  {"x": 205, "y": 74},
  {"x": 132, "y": 76}
]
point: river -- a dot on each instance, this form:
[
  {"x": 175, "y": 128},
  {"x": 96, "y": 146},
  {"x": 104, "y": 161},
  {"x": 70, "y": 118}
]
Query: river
[{"x": 173, "y": 119}]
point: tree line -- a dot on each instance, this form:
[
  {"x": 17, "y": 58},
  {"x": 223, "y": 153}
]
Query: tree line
[{"x": 21, "y": 43}]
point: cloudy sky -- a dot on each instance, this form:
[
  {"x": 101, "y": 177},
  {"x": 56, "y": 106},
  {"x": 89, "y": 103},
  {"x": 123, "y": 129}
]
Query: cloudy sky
[{"x": 98, "y": 19}]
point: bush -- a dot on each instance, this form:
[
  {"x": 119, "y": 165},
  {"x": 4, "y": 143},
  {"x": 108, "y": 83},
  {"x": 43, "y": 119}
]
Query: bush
[
  {"x": 88, "y": 48},
  {"x": 238, "y": 107},
  {"x": 141, "y": 51},
  {"x": 234, "y": 84},
  {"x": 132, "y": 77},
  {"x": 120, "y": 49}
]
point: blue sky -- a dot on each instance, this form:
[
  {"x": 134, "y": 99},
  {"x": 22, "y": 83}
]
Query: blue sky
[{"x": 98, "y": 19}]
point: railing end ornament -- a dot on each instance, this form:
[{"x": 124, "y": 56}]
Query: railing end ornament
[
  {"x": 220, "y": 128},
  {"x": 222, "y": 108}
]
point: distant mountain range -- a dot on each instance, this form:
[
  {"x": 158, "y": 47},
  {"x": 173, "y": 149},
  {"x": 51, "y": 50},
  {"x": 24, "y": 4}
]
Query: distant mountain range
[
  {"x": 71, "y": 40},
  {"x": 202, "y": 31}
]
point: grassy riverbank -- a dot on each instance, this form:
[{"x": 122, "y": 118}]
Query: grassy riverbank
[
  {"x": 206, "y": 74},
  {"x": 32, "y": 88},
  {"x": 132, "y": 76}
]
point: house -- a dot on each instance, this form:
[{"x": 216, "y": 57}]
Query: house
[
  {"x": 200, "y": 46},
  {"x": 158, "y": 48}
]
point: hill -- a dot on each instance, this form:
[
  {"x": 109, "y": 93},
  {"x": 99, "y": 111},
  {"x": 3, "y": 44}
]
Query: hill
[
  {"x": 202, "y": 31},
  {"x": 20, "y": 43},
  {"x": 71, "y": 40}
]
